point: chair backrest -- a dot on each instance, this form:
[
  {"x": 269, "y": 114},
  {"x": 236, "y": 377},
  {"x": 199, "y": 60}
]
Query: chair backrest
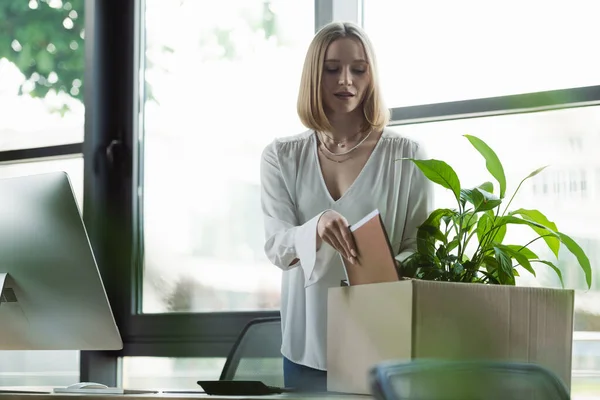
[
  {"x": 454, "y": 380},
  {"x": 256, "y": 354}
]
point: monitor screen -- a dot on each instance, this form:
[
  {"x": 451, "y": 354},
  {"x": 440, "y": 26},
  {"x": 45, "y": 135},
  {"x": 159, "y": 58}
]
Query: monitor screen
[{"x": 52, "y": 296}]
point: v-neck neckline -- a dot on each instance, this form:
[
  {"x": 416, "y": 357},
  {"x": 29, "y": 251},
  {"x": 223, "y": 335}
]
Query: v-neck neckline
[{"x": 358, "y": 177}]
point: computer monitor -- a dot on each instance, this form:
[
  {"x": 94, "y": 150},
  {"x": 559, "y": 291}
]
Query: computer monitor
[{"x": 52, "y": 295}]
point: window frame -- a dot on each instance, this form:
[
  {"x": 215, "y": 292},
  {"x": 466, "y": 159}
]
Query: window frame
[
  {"x": 40, "y": 153},
  {"x": 112, "y": 192},
  {"x": 113, "y": 176}
]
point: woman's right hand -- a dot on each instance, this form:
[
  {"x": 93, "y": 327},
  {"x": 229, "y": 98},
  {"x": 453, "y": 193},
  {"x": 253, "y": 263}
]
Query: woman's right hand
[{"x": 333, "y": 229}]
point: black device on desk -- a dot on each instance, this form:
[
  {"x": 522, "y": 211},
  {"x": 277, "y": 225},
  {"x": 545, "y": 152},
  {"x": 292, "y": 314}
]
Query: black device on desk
[{"x": 240, "y": 388}]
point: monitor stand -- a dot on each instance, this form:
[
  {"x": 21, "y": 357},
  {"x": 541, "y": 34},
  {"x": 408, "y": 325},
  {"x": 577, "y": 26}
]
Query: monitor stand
[
  {"x": 11, "y": 312},
  {"x": 7, "y": 294}
]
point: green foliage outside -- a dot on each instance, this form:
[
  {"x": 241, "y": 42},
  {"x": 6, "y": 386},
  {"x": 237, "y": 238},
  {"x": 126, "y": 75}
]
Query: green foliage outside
[{"x": 45, "y": 40}]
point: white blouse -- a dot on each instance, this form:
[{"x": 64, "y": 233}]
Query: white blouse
[{"x": 294, "y": 195}]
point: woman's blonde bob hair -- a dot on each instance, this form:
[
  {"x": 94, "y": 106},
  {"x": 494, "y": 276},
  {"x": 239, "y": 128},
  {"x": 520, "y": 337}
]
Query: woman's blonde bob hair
[{"x": 310, "y": 99}]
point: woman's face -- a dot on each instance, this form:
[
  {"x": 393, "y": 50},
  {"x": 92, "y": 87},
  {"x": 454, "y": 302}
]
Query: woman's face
[{"x": 346, "y": 76}]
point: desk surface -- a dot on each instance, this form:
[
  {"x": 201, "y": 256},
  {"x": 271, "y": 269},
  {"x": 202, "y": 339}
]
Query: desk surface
[{"x": 37, "y": 393}]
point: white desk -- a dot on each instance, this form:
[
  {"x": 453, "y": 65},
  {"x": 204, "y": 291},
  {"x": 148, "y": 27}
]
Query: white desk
[{"x": 36, "y": 393}]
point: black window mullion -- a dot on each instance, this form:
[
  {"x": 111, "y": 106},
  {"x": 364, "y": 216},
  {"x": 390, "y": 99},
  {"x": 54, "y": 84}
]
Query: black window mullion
[{"x": 108, "y": 186}]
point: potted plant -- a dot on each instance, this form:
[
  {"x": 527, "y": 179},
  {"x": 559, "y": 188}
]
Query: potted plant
[{"x": 445, "y": 241}]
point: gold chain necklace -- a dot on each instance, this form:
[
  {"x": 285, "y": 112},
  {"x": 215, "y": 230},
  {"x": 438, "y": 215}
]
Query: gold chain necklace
[
  {"x": 332, "y": 154},
  {"x": 320, "y": 147},
  {"x": 341, "y": 143}
]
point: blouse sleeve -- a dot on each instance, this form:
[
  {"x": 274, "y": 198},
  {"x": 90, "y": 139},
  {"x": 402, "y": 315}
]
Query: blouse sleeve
[
  {"x": 420, "y": 204},
  {"x": 286, "y": 240}
]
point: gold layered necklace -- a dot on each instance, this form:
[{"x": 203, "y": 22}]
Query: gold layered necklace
[
  {"x": 341, "y": 143},
  {"x": 356, "y": 146},
  {"x": 331, "y": 156},
  {"x": 331, "y": 159}
]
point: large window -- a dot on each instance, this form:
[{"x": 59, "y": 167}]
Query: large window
[
  {"x": 434, "y": 51},
  {"x": 222, "y": 81},
  {"x": 41, "y": 130}
]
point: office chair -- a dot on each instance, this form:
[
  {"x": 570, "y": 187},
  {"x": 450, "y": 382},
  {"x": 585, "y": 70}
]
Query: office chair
[
  {"x": 455, "y": 380},
  {"x": 256, "y": 354}
]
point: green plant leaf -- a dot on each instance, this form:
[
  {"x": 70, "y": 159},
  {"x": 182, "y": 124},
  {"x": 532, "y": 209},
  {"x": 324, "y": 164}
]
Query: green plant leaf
[
  {"x": 536, "y": 216},
  {"x": 441, "y": 173},
  {"x": 429, "y": 231},
  {"x": 411, "y": 265},
  {"x": 511, "y": 219},
  {"x": 520, "y": 257},
  {"x": 433, "y": 232},
  {"x": 457, "y": 269},
  {"x": 487, "y": 186},
  {"x": 555, "y": 268},
  {"x": 571, "y": 245},
  {"x": 491, "y": 264},
  {"x": 425, "y": 243},
  {"x": 483, "y": 226},
  {"x": 486, "y": 225},
  {"x": 500, "y": 234},
  {"x": 452, "y": 244},
  {"x": 534, "y": 173},
  {"x": 471, "y": 196},
  {"x": 491, "y": 278},
  {"x": 504, "y": 260},
  {"x": 466, "y": 195},
  {"x": 489, "y": 200},
  {"x": 505, "y": 270},
  {"x": 493, "y": 164},
  {"x": 523, "y": 250},
  {"x": 578, "y": 252},
  {"x": 466, "y": 220},
  {"x": 436, "y": 216},
  {"x": 447, "y": 219},
  {"x": 441, "y": 253}
]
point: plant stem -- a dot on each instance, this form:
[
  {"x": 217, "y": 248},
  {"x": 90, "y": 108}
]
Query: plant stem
[
  {"x": 531, "y": 241},
  {"x": 448, "y": 227},
  {"x": 459, "y": 229},
  {"x": 512, "y": 197},
  {"x": 466, "y": 239},
  {"x": 470, "y": 236},
  {"x": 487, "y": 238}
]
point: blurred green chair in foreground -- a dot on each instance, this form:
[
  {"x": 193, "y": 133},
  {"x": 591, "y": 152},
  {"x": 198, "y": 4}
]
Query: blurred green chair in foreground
[{"x": 455, "y": 380}]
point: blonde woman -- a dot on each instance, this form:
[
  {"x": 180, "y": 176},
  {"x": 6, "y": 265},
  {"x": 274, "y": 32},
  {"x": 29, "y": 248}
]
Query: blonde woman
[{"x": 314, "y": 184}]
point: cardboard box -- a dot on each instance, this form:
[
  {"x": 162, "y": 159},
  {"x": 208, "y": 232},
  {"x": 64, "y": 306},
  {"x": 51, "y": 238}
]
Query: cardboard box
[{"x": 412, "y": 319}]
